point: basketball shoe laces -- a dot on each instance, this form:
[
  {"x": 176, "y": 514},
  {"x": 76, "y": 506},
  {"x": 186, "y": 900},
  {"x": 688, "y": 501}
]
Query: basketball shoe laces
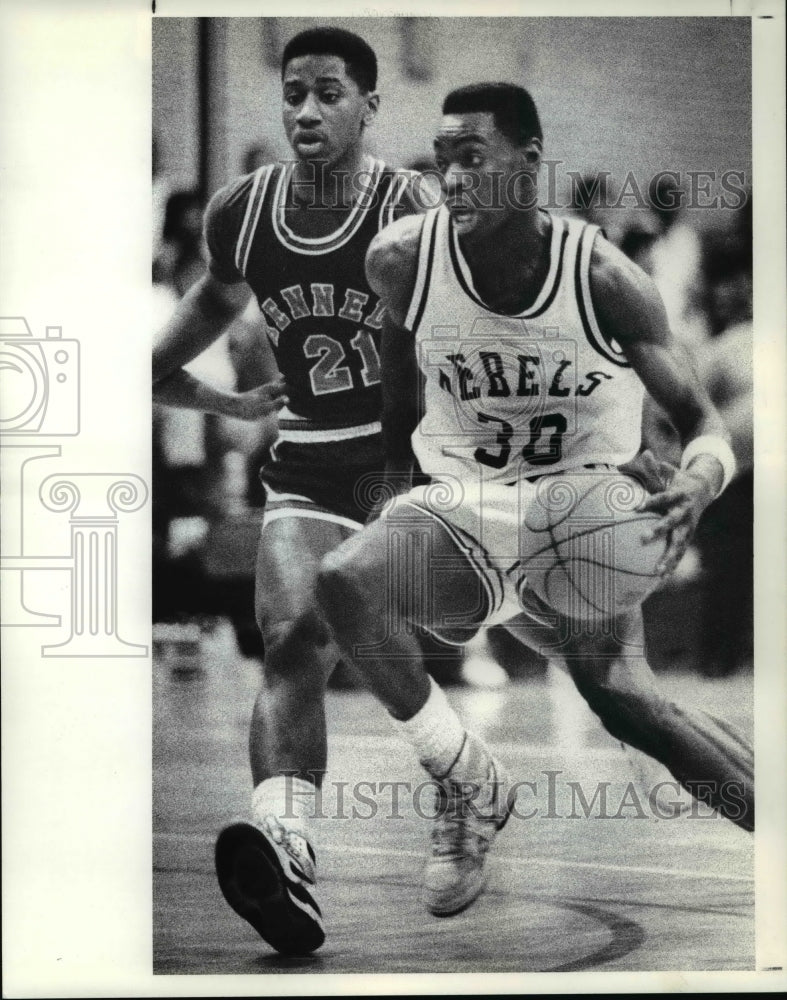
[
  {"x": 463, "y": 827},
  {"x": 297, "y": 848}
]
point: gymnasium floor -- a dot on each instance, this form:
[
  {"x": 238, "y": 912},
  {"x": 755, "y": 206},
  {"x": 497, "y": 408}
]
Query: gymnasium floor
[{"x": 626, "y": 892}]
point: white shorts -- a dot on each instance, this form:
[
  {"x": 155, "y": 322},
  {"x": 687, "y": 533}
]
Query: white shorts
[{"x": 496, "y": 527}]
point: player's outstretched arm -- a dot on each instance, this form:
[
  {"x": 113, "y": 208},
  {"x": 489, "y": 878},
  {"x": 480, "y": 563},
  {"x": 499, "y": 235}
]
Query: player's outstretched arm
[
  {"x": 201, "y": 316},
  {"x": 391, "y": 264},
  {"x": 184, "y": 390},
  {"x": 629, "y": 310}
]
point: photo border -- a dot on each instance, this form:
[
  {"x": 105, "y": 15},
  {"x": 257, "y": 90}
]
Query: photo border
[{"x": 76, "y": 125}]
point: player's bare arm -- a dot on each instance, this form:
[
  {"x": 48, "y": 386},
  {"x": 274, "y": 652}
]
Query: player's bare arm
[
  {"x": 183, "y": 390},
  {"x": 630, "y": 311},
  {"x": 391, "y": 265},
  {"x": 202, "y": 315},
  {"x": 200, "y": 318}
]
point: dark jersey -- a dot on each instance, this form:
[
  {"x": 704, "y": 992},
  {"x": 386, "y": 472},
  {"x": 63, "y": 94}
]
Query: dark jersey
[{"x": 322, "y": 318}]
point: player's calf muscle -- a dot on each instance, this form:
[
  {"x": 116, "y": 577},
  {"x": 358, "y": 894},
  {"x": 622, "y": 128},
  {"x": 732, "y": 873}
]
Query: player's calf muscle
[
  {"x": 296, "y": 641},
  {"x": 632, "y": 716}
]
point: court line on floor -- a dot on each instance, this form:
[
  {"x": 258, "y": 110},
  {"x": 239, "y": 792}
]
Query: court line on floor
[
  {"x": 385, "y": 742},
  {"x": 553, "y": 862},
  {"x": 383, "y": 852}
]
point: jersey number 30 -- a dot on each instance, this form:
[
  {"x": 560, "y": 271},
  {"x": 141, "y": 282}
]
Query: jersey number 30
[
  {"x": 330, "y": 373},
  {"x": 553, "y": 452}
]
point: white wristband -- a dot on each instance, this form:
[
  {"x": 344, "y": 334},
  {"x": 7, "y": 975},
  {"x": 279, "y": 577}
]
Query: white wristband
[{"x": 710, "y": 444}]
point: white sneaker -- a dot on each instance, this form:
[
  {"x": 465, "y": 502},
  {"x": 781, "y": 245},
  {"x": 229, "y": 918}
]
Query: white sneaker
[
  {"x": 468, "y": 818},
  {"x": 267, "y": 875}
]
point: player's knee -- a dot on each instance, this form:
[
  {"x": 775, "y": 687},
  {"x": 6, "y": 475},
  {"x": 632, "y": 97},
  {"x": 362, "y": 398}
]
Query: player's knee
[{"x": 293, "y": 647}]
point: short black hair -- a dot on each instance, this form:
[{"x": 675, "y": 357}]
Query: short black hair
[
  {"x": 513, "y": 108},
  {"x": 358, "y": 55}
]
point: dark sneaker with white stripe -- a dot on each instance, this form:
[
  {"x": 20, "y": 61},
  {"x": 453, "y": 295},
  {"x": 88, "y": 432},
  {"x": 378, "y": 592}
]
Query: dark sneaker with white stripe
[
  {"x": 468, "y": 817},
  {"x": 267, "y": 875}
]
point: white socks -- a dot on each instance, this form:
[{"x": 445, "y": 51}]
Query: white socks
[
  {"x": 439, "y": 739},
  {"x": 290, "y": 800},
  {"x": 436, "y": 734}
]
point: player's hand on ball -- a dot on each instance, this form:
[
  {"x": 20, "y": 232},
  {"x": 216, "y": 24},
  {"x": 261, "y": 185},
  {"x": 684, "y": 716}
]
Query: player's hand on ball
[
  {"x": 682, "y": 503},
  {"x": 262, "y": 401}
]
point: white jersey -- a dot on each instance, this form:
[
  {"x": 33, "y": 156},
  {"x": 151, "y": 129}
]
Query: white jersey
[{"x": 510, "y": 397}]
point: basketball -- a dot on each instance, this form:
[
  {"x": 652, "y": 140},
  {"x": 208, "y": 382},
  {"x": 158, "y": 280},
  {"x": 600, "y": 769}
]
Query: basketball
[{"x": 582, "y": 544}]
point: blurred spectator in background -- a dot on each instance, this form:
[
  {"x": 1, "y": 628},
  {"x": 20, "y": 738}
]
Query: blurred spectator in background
[
  {"x": 184, "y": 484},
  {"x": 724, "y": 361},
  {"x": 675, "y": 258},
  {"x": 705, "y": 279},
  {"x": 161, "y": 192},
  {"x": 639, "y": 236},
  {"x": 725, "y": 357},
  {"x": 180, "y": 260},
  {"x": 592, "y": 198}
]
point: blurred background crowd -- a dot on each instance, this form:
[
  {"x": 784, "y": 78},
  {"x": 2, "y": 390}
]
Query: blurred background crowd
[{"x": 647, "y": 125}]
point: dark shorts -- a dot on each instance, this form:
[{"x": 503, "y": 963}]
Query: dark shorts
[{"x": 339, "y": 478}]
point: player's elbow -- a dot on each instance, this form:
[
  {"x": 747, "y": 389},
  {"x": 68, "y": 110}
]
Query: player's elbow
[{"x": 217, "y": 301}]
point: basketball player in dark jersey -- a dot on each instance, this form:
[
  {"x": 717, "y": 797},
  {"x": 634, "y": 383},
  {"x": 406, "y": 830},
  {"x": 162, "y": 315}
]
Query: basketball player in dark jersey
[
  {"x": 297, "y": 235},
  {"x": 505, "y": 309}
]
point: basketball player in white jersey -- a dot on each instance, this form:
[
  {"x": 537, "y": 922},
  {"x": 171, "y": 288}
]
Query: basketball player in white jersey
[
  {"x": 297, "y": 234},
  {"x": 534, "y": 338}
]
